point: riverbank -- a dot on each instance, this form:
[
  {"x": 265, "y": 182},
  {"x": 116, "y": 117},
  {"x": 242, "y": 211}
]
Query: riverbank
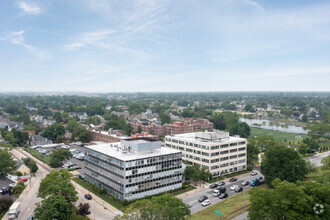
[{"x": 278, "y": 135}]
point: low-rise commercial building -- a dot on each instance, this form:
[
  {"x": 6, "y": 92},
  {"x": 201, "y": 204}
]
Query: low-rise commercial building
[
  {"x": 216, "y": 151},
  {"x": 134, "y": 168}
]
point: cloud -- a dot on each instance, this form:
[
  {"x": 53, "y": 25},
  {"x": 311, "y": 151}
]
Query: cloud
[
  {"x": 18, "y": 39},
  {"x": 254, "y": 4},
  {"x": 29, "y": 8}
]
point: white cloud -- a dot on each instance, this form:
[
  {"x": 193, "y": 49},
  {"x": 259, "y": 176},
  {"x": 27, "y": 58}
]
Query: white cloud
[
  {"x": 89, "y": 39},
  {"x": 254, "y": 4},
  {"x": 29, "y": 8},
  {"x": 18, "y": 39}
]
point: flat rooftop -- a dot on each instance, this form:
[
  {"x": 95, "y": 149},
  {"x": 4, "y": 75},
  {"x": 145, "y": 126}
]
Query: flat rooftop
[
  {"x": 196, "y": 138},
  {"x": 114, "y": 150}
]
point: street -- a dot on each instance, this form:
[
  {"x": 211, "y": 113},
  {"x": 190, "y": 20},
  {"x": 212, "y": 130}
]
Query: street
[
  {"x": 193, "y": 199},
  {"x": 316, "y": 159}
]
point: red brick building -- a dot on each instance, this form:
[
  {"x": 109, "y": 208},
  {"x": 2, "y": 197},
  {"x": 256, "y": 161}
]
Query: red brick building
[{"x": 188, "y": 126}]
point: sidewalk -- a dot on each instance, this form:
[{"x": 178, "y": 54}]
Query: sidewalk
[{"x": 198, "y": 189}]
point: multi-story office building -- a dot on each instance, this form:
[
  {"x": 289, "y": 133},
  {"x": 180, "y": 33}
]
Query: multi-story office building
[
  {"x": 134, "y": 168},
  {"x": 216, "y": 151}
]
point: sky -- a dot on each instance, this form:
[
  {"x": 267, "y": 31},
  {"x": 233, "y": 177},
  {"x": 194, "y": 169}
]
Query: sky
[{"x": 164, "y": 45}]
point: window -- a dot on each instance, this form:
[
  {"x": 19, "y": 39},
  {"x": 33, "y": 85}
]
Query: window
[
  {"x": 174, "y": 141},
  {"x": 214, "y": 167},
  {"x": 181, "y": 148},
  {"x": 215, "y": 147},
  {"x": 233, "y": 163},
  {"x": 224, "y": 152},
  {"x": 233, "y": 150},
  {"x": 241, "y": 155},
  {"x": 215, "y": 160},
  {"x": 205, "y": 161},
  {"x": 242, "y": 148},
  {"x": 168, "y": 145},
  {"x": 181, "y": 142},
  {"x": 197, "y": 152},
  {"x": 241, "y": 143},
  {"x": 224, "y": 165},
  {"x": 197, "y": 158},
  {"x": 241, "y": 161},
  {"x": 174, "y": 146},
  {"x": 234, "y": 156},
  {"x": 214, "y": 154},
  {"x": 205, "y": 154},
  {"x": 205, "y": 167},
  {"x": 189, "y": 150},
  {"x": 224, "y": 146},
  {"x": 205, "y": 147},
  {"x": 224, "y": 158},
  {"x": 233, "y": 144}
]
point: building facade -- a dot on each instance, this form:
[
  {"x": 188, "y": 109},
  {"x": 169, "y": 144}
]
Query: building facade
[
  {"x": 134, "y": 168},
  {"x": 216, "y": 151},
  {"x": 188, "y": 126}
]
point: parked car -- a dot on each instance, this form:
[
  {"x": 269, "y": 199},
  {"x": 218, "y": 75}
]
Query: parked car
[
  {"x": 76, "y": 167},
  {"x": 23, "y": 158},
  {"x": 221, "y": 183},
  {"x": 80, "y": 176},
  {"x": 88, "y": 196},
  {"x": 223, "y": 195},
  {"x": 233, "y": 179},
  {"x": 239, "y": 189},
  {"x": 254, "y": 172},
  {"x": 213, "y": 185},
  {"x": 245, "y": 183},
  {"x": 233, "y": 187},
  {"x": 206, "y": 202},
  {"x": 12, "y": 185},
  {"x": 23, "y": 179},
  {"x": 202, "y": 198}
]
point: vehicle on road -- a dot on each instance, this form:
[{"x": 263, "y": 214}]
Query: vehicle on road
[
  {"x": 233, "y": 179},
  {"x": 202, "y": 198},
  {"x": 14, "y": 209},
  {"x": 257, "y": 182},
  {"x": 221, "y": 183},
  {"x": 88, "y": 196},
  {"x": 75, "y": 167},
  {"x": 233, "y": 187},
  {"x": 206, "y": 203},
  {"x": 245, "y": 183},
  {"x": 213, "y": 186},
  {"x": 189, "y": 205},
  {"x": 30, "y": 217},
  {"x": 223, "y": 195},
  {"x": 221, "y": 189},
  {"x": 254, "y": 172},
  {"x": 239, "y": 189},
  {"x": 80, "y": 176}
]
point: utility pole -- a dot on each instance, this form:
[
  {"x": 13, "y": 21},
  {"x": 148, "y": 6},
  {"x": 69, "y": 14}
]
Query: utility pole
[{"x": 244, "y": 199}]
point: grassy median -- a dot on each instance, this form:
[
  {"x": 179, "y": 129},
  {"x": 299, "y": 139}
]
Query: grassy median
[{"x": 37, "y": 155}]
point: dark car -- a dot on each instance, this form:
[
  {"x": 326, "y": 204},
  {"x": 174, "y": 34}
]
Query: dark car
[
  {"x": 202, "y": 198},
  {"x": 213, "y": 186},
  {"x": 88, "y": 196},
  {"x": 23, "y": 158},
  {"x": 222, "y": 183},
  {"x": 30, "y": 218},
  {"x": 223, "y": 195},
  {"x": 239, "y": 189},
  {"x": 232, "y": 180},
  {"x": 221, "y": 189},
  {"x": 75, "y": 167},
  {"x": 81, "y": 176},
  {"x": 260, "y": 178}
]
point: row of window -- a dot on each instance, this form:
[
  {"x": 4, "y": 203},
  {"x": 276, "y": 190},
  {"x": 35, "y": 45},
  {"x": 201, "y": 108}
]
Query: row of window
[
  {"x": 153, "y": 180},
  {"x": 156, "y": 187}
]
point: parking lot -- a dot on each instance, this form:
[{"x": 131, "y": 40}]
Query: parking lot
[{"x": 197, "y": 206}]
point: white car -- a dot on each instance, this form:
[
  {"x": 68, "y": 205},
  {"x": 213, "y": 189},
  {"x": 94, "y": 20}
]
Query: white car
[
  {"x": 254, "y": 172},
  {"x": 13, "y": 185},
  {"x": 233, "y": 187},
  {"x": 206, "y": 202}
]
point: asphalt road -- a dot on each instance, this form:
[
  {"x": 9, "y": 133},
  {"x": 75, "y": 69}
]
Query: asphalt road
[
  {"x": 197, "y": 206},
  {"x": 316, "y": 159}
]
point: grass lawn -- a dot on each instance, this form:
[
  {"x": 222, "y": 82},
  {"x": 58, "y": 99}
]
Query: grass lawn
[
  {"x": 37, "y": 155},
  {"x": 73, "y": 215},
  {"x": 230, "y": 208},
  {"x": 112, "y": 201},
  {"x": 320, "y": 175},
  {"x": 278, "y": 135}
]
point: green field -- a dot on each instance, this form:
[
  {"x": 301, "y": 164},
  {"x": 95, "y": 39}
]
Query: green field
[
  {"x": 278, "y": 135},
  {"x": 320, "y": 175}
]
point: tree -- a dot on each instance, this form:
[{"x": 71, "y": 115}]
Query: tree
[
  {"x": 158, "y": 207},
  {"x": 308, "y": 145},
  {"x": 95, "y": 120},
  {"x": 249, "y": 108},
  {"x": 7, "y": 164},
  {"x": 287, "y": 201},
  {"x": 139, "y": 129},
  {"x": 304, "y": 118},
  {"x": 18, "y": 189},
  {"x": 164, "y": 118},
  {"x": 252, "y": 151},
  {"x": 54, "y": 207},
  {"x": 31, "y": 164},
  {"x": 58, "y": 183},
  {"x": 326, "y": 162},
  {"x": 83, "y": 209},
  {"x": 286, "y": 111},
  {"x": 283, "y": 163},
  {"x": 318, "y": 130},
  {"x": 59, "y": 156},
  {"x": 196, "y": 173},
  {"x": 265, "y": 141},
  {"x": 5, "y": 202},
  {"x": 54, "y": 131}
]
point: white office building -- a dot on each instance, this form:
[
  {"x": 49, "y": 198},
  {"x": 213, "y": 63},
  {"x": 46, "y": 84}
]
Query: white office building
[
  {"x": 134, "y": 168},
  {"x": 216, "y": 151}
]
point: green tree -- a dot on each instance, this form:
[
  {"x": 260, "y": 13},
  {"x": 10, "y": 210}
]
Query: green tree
[
  {"x": 318, "y": 130},
  {"x": 54, "y": 207},
  {"x": 158, "y": 207},
  {"x": 139, "y": 129},
  {"x": 304, "y": 118},
  {"x": 58, "y": 183},
  {"x": 196, "y": 173},
  {"x": 7, "y": 164},
  {"x": 54, "y": 131},
  {"x": 283, "y": 163},
  {"x": 18, "y": 189},
  {"x": 252, "y": 151},
  {"x": 265, "y": 141},
  {"x": 326, "y": 162},
  {"x": 164, "y": 118},
  {"x": 95, "y": 120},
  {"x": 59, "y": 156}
]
